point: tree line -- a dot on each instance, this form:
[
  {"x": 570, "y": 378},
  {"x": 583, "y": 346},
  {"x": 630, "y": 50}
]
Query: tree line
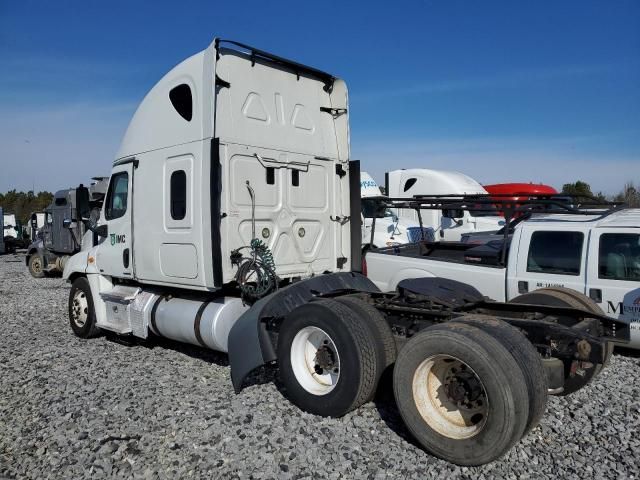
[
  {"x": 23, "y": 204},
  {"x": 630, "y": 193}
]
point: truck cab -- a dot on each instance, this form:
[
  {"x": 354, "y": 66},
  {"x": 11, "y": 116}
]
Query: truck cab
[
  {"x": 234, "y": 150},
  {"x": 62, "y": 233}
]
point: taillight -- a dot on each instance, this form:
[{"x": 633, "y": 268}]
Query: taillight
[{"x": 364, "y": 264}]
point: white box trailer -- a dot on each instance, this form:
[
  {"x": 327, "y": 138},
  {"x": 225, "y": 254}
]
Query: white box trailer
[{"x": 232, "y": 222}]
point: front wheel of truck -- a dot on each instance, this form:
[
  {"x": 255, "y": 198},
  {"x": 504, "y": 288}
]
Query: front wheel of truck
[
  {"x": 461, "y": 394},
  {"x": 36, "y": 265},
  {"x": 327, "y": 358},
  {"x": 82, "y": 315}
]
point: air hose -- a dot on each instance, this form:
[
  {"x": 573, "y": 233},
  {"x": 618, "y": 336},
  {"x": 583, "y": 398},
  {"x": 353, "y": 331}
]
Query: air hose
[{"x": 256, "y": 275}]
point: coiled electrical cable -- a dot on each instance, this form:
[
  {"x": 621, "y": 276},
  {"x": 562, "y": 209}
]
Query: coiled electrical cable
[{"x": 256, "y": 275}]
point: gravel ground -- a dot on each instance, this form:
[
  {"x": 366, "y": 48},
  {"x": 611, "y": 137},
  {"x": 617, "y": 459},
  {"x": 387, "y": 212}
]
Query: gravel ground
[{"x": 72, "y": 408}]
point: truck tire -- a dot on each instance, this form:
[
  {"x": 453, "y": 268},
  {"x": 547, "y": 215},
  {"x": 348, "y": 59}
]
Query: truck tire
[
  {"x": 525, "y": 355},
  {"x": 36, "y": 265},
  {"x": 565, "y": 297},
  {"x": 82, "y": 314},
  {"x": 327, "y": 358},
  {"x": 461, "y": 393},
  {"x": 382, "y": 330}
]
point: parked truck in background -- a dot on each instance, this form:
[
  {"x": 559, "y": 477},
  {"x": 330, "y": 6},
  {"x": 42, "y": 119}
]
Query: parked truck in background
[
  {"x": 3, "y": 247},
  {"x": 518, "y": 192},
  {"x": 232, "y": 222},
  {"x": 10, "y": 237},
  {"x": 36, "y": 222},
  {"x": 423, "y": 181},
  {"x": 389, "y": 229},
  {"x": 62, "y": 233}
]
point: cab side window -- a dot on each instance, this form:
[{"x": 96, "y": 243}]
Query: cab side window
[
  {"x": 558, "y": 253},
  {"x": 178, "y": 194},
  {"x": 117, "y": 196},
  {"x": 619, "y": 256}
]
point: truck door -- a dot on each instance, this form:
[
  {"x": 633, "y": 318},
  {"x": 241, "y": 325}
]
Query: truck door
[
  {"x": 113, "y": 255},
  {"x": 613, "y": 279},
  {"x": 550, "y": 258}
]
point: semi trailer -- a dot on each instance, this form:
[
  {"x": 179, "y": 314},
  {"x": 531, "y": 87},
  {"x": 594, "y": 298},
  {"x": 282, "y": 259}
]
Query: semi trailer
[
  {"x": 61, "y": 235},
  {"x": 232, "y": 222}
]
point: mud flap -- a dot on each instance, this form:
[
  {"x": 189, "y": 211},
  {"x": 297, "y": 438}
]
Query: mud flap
[
  {"x": 250, "y": 344},
  {"x": 246, "y": 352}
]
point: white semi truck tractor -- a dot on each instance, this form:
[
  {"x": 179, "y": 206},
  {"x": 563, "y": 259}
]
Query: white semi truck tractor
[
  {"x": 390, "y": 230},
  {"x": 428, "y": 182},
  {"x": 232, "y": 222}
]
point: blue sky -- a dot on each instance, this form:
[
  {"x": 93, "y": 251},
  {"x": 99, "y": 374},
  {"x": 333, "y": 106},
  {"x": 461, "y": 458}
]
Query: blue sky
[{"x": 541, "y": 91}]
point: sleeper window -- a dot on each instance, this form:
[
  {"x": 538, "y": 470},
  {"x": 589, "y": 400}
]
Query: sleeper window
[
  {"x": 117, "y": 197},
  {"x": 178, "y": 194},
  {"x": 182, "y": 101},
  {"x": 558, "y": 253}
]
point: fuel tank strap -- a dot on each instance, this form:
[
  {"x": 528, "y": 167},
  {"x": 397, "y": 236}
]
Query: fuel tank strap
[
  {"x": 154, "y": 327},
  {"x": 196, "y": 323}
]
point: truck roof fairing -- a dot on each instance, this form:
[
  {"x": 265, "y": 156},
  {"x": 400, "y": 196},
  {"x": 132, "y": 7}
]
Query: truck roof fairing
[{"x": 154, "y": 124}]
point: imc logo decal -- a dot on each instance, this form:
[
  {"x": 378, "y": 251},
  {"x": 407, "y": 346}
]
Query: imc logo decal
[{"x": 117, "y": 238}]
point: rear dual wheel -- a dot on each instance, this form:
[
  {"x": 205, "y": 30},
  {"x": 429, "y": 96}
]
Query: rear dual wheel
[
  {"x": 524, "y": 354},
  {"x": 331, "y": 356},
  {"x": 461, "y": 393}
]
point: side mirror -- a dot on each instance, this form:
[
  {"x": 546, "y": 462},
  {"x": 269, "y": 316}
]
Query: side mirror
[
  {"x": 83, "y": 207},
  {"x": 453, "y": 213},
  {"x": 66, "y": 223},
  {"x": 102, "y": 230}
]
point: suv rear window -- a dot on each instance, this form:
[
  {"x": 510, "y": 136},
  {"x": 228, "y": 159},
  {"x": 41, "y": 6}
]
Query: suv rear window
[
  {"x": 558, "y": 253},
  {"x": 619, "y": 256}
]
